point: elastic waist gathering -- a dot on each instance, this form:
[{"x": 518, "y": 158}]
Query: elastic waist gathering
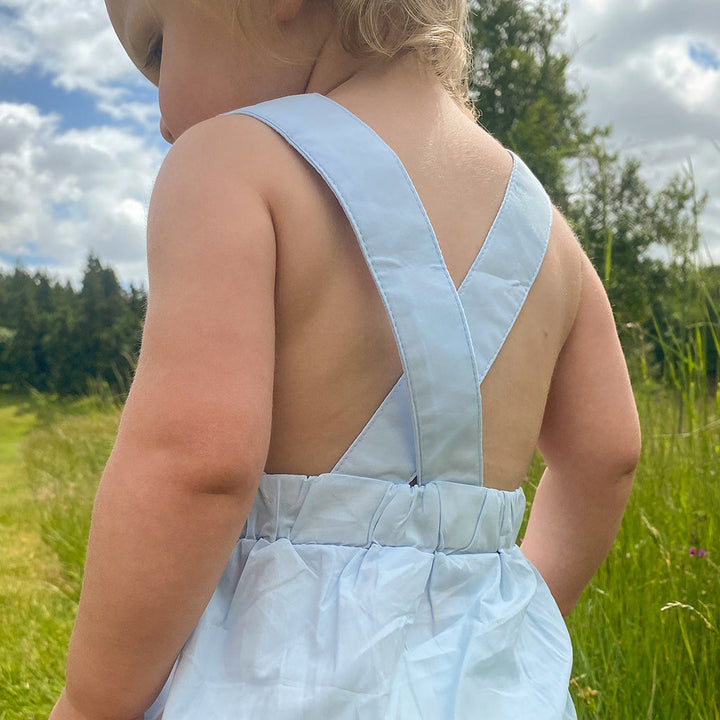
[{"x": 337, "y": 509}]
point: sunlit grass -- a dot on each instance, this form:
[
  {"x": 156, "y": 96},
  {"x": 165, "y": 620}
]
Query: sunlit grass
[
  {"x": 645, "y": 633},
  {"x": 47, "y": 483}
]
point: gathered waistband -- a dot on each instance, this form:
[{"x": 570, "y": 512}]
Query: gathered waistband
[{"x": 335, "y": 509}]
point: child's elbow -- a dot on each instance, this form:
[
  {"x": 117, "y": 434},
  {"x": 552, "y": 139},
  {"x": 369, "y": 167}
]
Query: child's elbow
[
  {"x": 626, "y": 456},
  {"x": 616, "y": 465},
  {"x": 616, "y": 452}
]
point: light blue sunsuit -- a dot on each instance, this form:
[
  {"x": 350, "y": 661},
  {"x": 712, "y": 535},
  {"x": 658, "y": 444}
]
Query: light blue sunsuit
[{"x": 356, "y": 595}]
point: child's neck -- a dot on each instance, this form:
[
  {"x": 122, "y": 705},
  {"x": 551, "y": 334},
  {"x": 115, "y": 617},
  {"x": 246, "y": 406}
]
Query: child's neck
[{"x": 379, "y": 81}]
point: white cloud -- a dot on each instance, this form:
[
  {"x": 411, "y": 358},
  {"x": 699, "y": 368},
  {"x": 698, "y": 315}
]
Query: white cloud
[
  {"x": 72, "y": 39},
  {"x": 73, "y": 42},
  {"x": 64, "y": 193},
  {"x": 693, "y": 87},
  {"x": 16, "y": 50},
  {"x": 634, "y": 58}
]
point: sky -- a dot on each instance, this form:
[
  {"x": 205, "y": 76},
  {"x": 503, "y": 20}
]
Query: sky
[{"x": 80, "y": 145}]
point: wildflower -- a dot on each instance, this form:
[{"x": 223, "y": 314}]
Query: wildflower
[
  {"x": 697, "y": 552},
  {"x": 701, "y": 552},
  {"x": 587, "y": 693},
  {"x": 693, "y": 551}
]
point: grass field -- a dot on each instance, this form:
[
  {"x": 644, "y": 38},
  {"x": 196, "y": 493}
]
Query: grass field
[{"x": 646, "y": 631}]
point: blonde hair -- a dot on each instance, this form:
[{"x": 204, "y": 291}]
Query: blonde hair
[{"x": 437, "y": 30}]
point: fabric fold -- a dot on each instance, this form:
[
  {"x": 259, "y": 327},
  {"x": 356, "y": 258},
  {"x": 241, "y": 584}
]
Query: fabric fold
[{"x": 349, "y": 510}]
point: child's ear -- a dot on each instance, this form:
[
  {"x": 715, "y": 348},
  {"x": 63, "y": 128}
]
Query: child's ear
[{"x": 286, "y": 10}]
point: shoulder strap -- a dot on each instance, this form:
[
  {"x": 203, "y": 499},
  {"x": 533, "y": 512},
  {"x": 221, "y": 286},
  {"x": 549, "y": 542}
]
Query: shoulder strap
[
  {"x": 493, "y": 294},
  {"x": 497, "y": 284},
  {"x": 404, "y": 258}
]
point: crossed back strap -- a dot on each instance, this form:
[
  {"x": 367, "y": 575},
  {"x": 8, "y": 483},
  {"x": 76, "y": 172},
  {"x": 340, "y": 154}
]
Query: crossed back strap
[
  {"x": 445, "y": 354},
  {"x": 493, "y": 294}
]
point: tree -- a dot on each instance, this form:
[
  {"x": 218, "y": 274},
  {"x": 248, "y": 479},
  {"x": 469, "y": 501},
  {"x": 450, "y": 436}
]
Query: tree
[
  {"x": 519, "y": 87},
  {"x": 614, "y": 220},
  {"x": 110, "y": 327},
  {"x": 22, "y": 357},
  {"x": 55, "y": 339},
  {"x": 664, "y": 309}
]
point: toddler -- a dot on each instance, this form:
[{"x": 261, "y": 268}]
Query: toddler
[{"x": 364, "y": 315}]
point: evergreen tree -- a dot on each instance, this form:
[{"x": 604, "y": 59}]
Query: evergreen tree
[
  {"x": 55, "y": 339},
  {"x": 21, "y": 361},
  {"x": 109, "y": 326}
]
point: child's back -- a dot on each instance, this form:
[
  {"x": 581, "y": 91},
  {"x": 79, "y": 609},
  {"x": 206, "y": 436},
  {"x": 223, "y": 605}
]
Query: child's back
[{"x": 336, "y": 357}]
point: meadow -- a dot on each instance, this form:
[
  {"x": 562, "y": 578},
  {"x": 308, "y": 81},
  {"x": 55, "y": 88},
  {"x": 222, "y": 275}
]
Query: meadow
[{"x": 646, "y": 632}]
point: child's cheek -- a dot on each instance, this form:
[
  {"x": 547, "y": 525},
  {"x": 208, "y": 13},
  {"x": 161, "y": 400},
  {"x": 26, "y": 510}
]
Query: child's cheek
[
  {"x": 171, "y": 108},
  {"x": 182, "y": 103},
  {"x": 166, "y": 105}
]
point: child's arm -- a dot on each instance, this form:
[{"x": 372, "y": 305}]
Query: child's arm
[
  {"x": 590, "y": 440},
  {"x": 194, "y": 432}
]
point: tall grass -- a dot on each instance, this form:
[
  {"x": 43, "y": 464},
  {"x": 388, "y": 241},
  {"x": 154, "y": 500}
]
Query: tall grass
[
  {"x": 645, "y": 632},
  {"x": 46, "y": 493},
  {"x": 686, "y": 340}
]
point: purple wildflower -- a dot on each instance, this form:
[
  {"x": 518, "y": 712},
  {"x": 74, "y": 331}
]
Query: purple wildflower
[
  {"x": 693, "y": 551},
  {"x": 701, "y": 552}
]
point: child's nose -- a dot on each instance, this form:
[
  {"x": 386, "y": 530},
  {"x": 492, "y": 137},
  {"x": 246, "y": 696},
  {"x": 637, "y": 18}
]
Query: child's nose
[{"x": 165, "y": 132}]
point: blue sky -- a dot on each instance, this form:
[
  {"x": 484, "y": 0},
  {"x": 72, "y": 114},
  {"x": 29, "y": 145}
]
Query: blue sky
[
  {"x": 80, "y": 147},
  {"x": 76, "y": 108},
  {"x": 704, "y": 55}
]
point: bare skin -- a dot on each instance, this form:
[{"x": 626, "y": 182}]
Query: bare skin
[
  {"x": 266, "y": 345},
  {"x": 325, "y": 297}
]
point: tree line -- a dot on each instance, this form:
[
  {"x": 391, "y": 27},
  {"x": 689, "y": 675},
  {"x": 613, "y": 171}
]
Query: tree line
[{"x": 57, "y": 340}]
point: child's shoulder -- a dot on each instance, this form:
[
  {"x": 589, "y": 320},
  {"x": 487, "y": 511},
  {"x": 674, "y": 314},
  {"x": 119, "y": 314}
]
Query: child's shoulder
[{"x": 226, "y": 147}]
